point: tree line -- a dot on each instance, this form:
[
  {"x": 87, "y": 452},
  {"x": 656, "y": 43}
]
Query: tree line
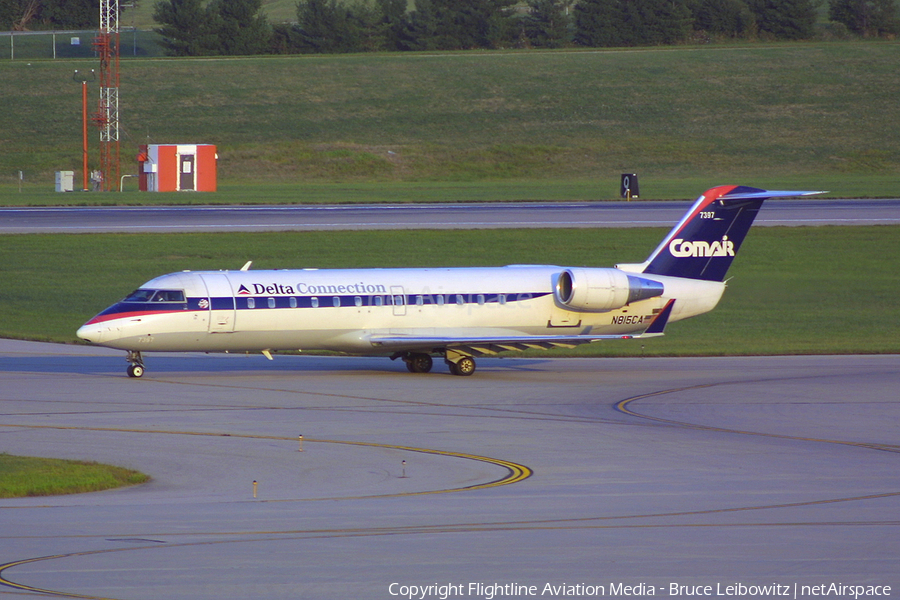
[
  {"x": 237, "y": 27},
  {"x": 24, "y": 15},
  {"x": 340, "y": 26}
]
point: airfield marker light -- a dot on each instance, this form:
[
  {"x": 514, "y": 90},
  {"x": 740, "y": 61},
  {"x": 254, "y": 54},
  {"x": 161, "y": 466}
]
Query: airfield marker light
[
  {"x": 254, "y": 488},
  {"x": 301, "y": 443},
  {"x": 403, "y": 476}
]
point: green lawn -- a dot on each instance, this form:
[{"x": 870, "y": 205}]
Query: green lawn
[
  {"x": 567, "y": 121},
  {"x": 22, "y": 476}
]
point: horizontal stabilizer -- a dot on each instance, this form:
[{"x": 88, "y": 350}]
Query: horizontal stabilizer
[{"x": 738, "y": 194}]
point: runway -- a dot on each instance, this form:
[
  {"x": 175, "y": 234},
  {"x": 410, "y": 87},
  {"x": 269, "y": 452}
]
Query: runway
[
  {"x": 537, "y": 477},
  {"x": 168, "y": 219}
]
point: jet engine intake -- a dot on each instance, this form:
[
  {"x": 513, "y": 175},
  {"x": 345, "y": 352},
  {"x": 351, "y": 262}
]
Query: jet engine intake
[{"x": 595, "y": 290}]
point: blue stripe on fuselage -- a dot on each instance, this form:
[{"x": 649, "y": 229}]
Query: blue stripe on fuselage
[{"x": 326, "y": 301}]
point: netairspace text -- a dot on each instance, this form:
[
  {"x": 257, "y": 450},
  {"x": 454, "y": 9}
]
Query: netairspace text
[{"x": 490, "y": 591}]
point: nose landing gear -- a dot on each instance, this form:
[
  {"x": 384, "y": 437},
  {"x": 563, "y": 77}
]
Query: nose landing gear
[{"x": 136, "y": 368}]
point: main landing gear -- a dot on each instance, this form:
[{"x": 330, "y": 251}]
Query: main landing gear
[
  {"x": 464, "y": 366},
  {"x": 136, "y": 368},
  {"x": 419, "y": 362}
]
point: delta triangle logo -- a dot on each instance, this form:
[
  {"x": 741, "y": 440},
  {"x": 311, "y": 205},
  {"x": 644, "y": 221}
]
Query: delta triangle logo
[{"x": 243, "y": 291}]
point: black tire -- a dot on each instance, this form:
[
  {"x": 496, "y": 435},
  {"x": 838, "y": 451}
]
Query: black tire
[
  {"x": 419, "y": 363},
  {"x": 463, "y": 367}
]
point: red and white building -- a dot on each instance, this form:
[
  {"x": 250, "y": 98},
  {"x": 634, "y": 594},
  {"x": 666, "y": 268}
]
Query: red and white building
[{"x": 177, "y": 167}]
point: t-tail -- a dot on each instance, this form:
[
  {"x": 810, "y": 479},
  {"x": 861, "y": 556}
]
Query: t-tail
[{"x": 705, "y": 242}]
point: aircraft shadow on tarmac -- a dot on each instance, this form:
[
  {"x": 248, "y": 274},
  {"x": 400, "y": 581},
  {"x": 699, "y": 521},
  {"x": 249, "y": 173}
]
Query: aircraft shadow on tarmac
[{"x": 239, "y": 364}]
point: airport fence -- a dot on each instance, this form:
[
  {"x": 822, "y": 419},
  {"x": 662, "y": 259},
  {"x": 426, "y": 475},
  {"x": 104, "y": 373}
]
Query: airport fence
[{"x": 36, "y": 45}]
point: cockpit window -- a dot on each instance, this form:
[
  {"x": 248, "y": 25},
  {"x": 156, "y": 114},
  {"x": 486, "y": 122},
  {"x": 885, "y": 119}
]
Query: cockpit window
[
  {"x": 140, "y": 296},
  {"x": 168, "y": 296},
  {"x": 155, "y": 296}
]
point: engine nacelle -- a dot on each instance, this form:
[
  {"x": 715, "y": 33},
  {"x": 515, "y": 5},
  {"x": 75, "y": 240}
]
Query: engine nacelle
[{"x": 596, "y": 290}]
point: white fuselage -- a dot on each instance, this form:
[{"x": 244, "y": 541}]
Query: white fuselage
[{"x": 346, "y": 309}]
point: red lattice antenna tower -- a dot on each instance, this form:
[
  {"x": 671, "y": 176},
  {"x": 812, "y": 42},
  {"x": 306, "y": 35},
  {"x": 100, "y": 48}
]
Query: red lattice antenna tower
[{"x": 107, "y": 117}]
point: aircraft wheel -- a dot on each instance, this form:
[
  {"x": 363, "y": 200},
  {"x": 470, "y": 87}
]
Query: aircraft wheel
[
  {"x": 464, "y": 366},
  {"x": 135, "y": 370},
  {"x": 419, "y": 363}
]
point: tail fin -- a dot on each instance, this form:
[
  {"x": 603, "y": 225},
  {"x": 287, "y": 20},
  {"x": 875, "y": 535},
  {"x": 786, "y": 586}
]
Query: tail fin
[{"x": 706, "y": 240}]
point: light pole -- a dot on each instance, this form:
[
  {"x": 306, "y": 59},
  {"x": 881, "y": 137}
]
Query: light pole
[{"x": 84, "y": 77}]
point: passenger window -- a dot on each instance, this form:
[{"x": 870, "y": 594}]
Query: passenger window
[
  {"x": 379, "y": 301},
  {"x": 481, "y": 299},
  {"x": 420, "y": 300},
  {"x": 271, "y": 302},
  {"x": 314, "y": 302},
  {"x": 357, "y": 301},
  {"x": 251, "y": 302},
  {"x": 440, "y": 299},
  {"x": 502, "y": 298},
  {"x": 460, "y": 300},
  {"x": 336, "y": 301},
  {"x": 293, "y": 302}
]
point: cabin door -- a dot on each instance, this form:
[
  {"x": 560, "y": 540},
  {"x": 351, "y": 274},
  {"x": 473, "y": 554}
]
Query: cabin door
[{"x": 221, "y": 302}]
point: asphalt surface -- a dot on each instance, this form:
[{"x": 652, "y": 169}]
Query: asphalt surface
[
  {"x": 599, "y": 473},
  {"x": 800, "y": 212}
]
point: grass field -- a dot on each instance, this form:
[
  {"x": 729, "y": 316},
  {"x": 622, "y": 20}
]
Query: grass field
[
  {"x": 795, "y": 290},
  {"x": 23, "y": 476},
  {"x": 796, "y": 114}
]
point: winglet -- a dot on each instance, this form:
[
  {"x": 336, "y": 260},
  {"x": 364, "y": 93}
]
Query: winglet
[{"x": 658, "y": 325}]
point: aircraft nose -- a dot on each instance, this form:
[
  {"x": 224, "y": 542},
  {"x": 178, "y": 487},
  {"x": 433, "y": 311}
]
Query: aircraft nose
[{"x": 90, "y": 332}]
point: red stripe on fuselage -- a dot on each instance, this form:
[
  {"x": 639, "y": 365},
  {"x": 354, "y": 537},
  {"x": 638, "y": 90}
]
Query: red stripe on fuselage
[{"x": 102, "y": 318}]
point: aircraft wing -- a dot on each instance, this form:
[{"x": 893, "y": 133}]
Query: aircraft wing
[{"x": 481, "y": 346}]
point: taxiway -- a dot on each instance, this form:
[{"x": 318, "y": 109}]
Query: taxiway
[
  {"x": 167, "y": 219},
  {"x": 600, "y": 472}
]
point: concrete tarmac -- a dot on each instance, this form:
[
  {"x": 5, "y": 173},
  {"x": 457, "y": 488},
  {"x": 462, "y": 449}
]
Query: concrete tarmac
[{"x": 595, "y": 477}]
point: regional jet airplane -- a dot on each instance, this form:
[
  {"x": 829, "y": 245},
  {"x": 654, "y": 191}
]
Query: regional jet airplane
[{"x": 456, "y": 314}]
